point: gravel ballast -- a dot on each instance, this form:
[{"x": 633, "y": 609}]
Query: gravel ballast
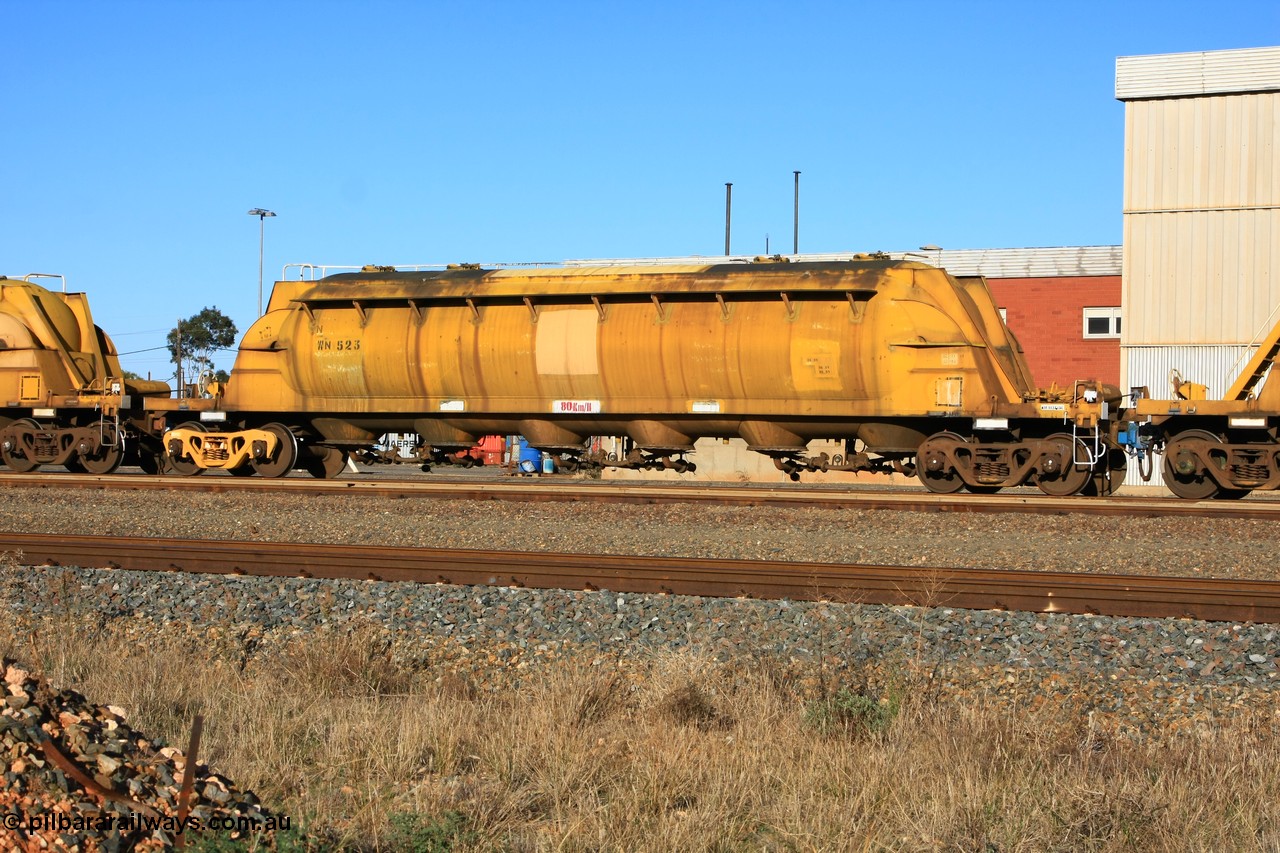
[
  {"x": 1199, "y": 547},
  {"x": 1149, "y": 674}
]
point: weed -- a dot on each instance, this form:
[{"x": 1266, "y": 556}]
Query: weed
[
  {"x": 284, "y": 841},
  {"x": 600, "y": 698},
  {"x": 851, "y": 713},
  {"x": 355, "y": 661},
  {"x": 689, "y": 705},
  {"x": 426, "y": 834}
]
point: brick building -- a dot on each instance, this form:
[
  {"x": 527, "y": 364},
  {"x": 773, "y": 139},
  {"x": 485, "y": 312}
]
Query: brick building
[{"x": 1069, "y": 327}]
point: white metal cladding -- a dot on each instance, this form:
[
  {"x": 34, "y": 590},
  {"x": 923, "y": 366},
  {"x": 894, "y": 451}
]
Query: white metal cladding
[
  {"x": 1213, "y": 366},
  {"x": 1044, "y": 262},
  {"x": 1171, "y": 75},
  {"x": 1215, "y": 153},
  {"x": 1201, "y": 277}
]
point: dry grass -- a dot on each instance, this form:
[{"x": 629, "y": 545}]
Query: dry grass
[{"x": 674, "y": 753}]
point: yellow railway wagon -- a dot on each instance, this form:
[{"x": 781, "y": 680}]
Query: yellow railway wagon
[
  {"x": 63, "y": 397},
  {"x": 898, "y": 359}
]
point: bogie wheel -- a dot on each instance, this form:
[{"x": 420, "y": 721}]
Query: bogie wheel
[
  {"x": 938, "y": 481},
  {"x": 106, "y": 460},
  {"x": 1073, "y": 478},
  {"x": 1192, "y": 487},
  {"x": 325, "y": 463},
  {"x": 245, "y": 470},
  {"x": 1102, "y": 486},
  {"x": 1099, "y": 486},
  {"x": 16, "y": 459},
  {"x": 280, "y": 463},
  {"x": 1233, "y": 494},
  {"x": 1108, "y": 478},
  {"x": 146, "y": 453},
  {"x": 181, "y": 467}
]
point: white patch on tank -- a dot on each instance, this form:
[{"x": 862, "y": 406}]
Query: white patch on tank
[
  {"x": 950, "y": 389},
  {"x": 453, "y": 406},
  {"x": 566, "y": 342}
]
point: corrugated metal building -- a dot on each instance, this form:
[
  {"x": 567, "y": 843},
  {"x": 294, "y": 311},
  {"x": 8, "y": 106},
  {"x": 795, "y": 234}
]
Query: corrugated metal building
[{"x": 1201, "y": 212}]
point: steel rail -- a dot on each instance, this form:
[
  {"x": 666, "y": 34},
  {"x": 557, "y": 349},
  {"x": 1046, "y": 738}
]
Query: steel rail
[
  {"x": 616, "y": 492},
  {"x": 978, "y": 589}
]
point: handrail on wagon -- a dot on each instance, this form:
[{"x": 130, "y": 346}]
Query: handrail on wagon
[
  {"x": 56, "y": 275},
  {"x": 314, "y": 272}
]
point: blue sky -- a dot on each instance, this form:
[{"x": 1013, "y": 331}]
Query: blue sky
[{"x": 138, "y": 134}]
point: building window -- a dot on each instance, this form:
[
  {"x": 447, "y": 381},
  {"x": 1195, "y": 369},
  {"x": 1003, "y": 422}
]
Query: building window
[
  {"x": 1004, "y": 314},
  {"x": 1102, "y": 322}
]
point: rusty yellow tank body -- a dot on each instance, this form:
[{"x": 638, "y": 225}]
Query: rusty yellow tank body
[
  {"x": 48, "y": 344},
  {"x": 880, "y": 350},
  {"x": 50, "y": 347},
  {"x": 63, "y": 397}
]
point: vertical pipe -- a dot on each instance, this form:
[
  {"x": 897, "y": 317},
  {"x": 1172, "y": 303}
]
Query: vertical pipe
[
  {"x": 261, "y": 236},
  {"x": 795, "y": 236},
  {"x": 182, "y": 385},
  {"x": 728, "y": 214}
]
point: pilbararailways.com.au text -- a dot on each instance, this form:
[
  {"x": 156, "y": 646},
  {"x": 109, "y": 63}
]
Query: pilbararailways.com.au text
[{"x": 134, "y": 822}]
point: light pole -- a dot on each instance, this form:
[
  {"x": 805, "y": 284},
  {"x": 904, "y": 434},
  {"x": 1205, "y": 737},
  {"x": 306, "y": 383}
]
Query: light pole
[
  {"x": 728, "y": 214},
  {"x": 262, "y": 218},
  {"x": 795, "y": 232}
]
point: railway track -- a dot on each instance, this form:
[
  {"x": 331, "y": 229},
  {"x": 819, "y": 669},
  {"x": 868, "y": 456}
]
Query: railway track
[
  {"x": 1047, "y": 592},
  {"x": 471, "y": 488}
]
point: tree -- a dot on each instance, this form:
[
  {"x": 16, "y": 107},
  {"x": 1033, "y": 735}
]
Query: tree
[{"x": 194, "y": 340}]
